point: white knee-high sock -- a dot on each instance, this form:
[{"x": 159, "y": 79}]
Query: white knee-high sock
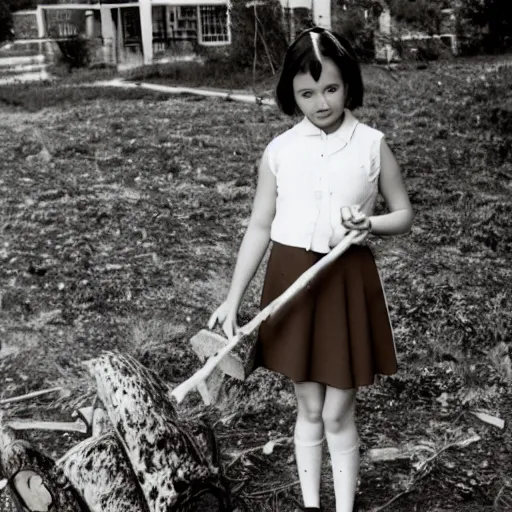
[
  {"x": 308, "y": 455},
  {"x": 344, "y": 452}
]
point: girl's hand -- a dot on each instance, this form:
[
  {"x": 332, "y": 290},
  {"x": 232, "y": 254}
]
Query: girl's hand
[
  {"x": 353, "y": 218},
  {"x": 225, "y": 316}
]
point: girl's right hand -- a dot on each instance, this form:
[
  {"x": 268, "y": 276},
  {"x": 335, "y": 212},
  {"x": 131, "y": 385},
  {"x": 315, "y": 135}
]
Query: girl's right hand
[{"x": 225, "y": 316}]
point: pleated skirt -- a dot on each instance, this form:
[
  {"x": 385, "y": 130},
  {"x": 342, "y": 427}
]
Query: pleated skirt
[{"x": 337, "y": 331}]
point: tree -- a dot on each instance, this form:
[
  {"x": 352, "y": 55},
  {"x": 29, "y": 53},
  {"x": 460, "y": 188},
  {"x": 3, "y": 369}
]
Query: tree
[
  {"x": 5, "y": 23},
  {"x": 270, "y": 43},
  {"x": 422, "y": 15},
  {"x": 18, "y": 5},
  {"x": 7, "y": 7},
  {"x": 358, "y": 21},
  {"x": 485, "y": 24}
]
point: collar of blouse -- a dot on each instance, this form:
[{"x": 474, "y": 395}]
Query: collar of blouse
[{"x": 344, "y": 132}]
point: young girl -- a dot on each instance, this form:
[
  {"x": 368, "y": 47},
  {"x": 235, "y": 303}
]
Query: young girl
[{"x": 316, "y": 182}]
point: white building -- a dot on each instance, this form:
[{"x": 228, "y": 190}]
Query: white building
[{"x": 145, "y": 31}]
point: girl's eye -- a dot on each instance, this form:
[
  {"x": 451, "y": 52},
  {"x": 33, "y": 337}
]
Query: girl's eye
[
  {"x": 306, "y": 95},
  {"x": 332, "y": 89}
]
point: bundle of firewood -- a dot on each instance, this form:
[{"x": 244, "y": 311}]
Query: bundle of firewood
[{"x": 140, "y": 456}]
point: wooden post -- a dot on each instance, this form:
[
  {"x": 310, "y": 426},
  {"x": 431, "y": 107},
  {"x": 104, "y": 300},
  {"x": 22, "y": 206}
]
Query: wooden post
[
  {"x": 89, "y": 24},
  {"x": 41, "y": 26},
  {"x": 108, "y": 36},
  {"x": 146, "y": 26},
  {"x": 41, "y": 23},
  {"x": 119, "y": 32},
  {"x": 383, "y": 48},
  {"x": 385, "y": 30}
]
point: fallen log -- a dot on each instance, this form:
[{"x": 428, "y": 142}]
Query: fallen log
[
  {"x": 98, "y": 469},
  {"x": 173, "y": 458},
  {"x": 100, "y": 422},
  {"x": 36, "y": 484}
]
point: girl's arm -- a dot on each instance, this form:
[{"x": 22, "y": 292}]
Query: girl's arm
[
  {"x": 257, "y": 236},
  {"x": 392, "y": 188}
]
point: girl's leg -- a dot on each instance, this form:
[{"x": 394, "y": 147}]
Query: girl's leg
[
  {"x": 343, "y": 441},
  {"x": 309, "y": 439}
]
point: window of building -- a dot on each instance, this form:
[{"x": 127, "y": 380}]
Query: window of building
[
  {"x": 159, "y": 27},
  {"x": 182, "y": 22},
  {"x": 131, "y": 26},
  {"x": 214, "y": 25}
]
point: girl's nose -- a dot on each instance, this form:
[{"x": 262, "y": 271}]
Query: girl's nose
[{"x": 322, "y": 103}]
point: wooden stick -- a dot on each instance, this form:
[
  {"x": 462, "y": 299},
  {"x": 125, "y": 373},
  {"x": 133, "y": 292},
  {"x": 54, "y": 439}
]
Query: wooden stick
[
  {"x": 246, "y": 98},
  {"x": 272, "y": 490},
  {"x": 28, "y": 396},
  {"x": 424, "y": 469},
  {"x": 302, "y": 282},
  {"x": 22, "y": 424},
  {"x": 239, "y": 455},
  {"x": 488, "y": 418},
  {"x": 505, "y": 175}
]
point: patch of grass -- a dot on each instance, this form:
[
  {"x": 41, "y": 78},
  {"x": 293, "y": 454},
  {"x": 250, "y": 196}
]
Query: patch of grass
[
  {"x": 213, "y": 73},
  {"x": 83, "y": 75},
  {"x": 35, "y": 97}
]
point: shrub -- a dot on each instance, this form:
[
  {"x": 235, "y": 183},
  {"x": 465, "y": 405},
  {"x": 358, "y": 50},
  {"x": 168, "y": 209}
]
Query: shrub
[
  {"x": 484, "y": 26},
  {"x": 359, "y": 31},
  {"x": 427, "y": 50},
  {"x": 34, "y": 96},
  {"x": 74, "y": 52},
  {"x": 217, "y": 71},
  {"x": 5, "y": 23},
  {"x": 422, "y": 15},
  {"x": 271, "y": 43}
]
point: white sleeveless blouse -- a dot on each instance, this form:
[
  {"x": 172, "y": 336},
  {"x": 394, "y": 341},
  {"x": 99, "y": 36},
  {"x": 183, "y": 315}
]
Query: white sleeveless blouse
[{"x": 317, "y": 174}]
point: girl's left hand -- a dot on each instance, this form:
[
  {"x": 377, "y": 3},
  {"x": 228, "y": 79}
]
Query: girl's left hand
[{"x": 353, "y": 218}]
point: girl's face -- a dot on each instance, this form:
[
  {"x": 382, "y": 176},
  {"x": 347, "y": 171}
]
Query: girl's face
[{"x": 321, "y": 102}]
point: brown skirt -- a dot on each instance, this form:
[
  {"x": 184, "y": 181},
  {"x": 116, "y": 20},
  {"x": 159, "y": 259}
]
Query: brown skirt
[{"x": 337, "y": 331}]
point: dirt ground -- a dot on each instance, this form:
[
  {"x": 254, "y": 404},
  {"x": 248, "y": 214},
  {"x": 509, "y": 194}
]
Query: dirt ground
[{"x": 120, "y": 224}]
